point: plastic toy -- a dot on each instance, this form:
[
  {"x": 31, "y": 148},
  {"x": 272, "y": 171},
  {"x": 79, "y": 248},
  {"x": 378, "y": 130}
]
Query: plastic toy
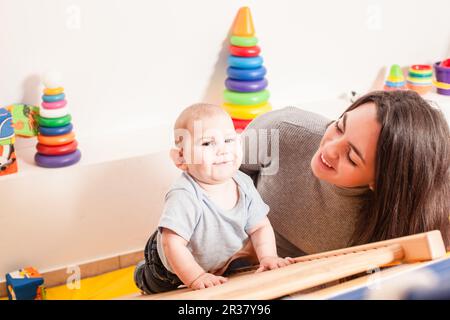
[
  {"x": 56, "y": 146},
  {"x": 245, "y": 96},
  {"x": 419, "y": 78},
  {"x": 246, "y": 74},
  {"x": 56, "y": 140},
  {"x": 57, "y": 150},
  {"x": 54, "y": 105},
  {"x": 54, "y": 131},
  {"x": 395, "y": 80},
  {"x": 54, "y": 113},
  {"x": 246, "y": 86},
  {"x": 442, "y": 72},
  {"x": 8, "y": 162},
  {"x": 25, "y": 284},
  {"x": 24, "y": 119},
  {"x": 57, "y": 161},
  {"x": 246, "y": 112}
]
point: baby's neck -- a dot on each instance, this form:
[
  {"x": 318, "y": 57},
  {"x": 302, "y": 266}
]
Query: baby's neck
[
  {"x": 212, "y": 189},
  {"x": 225, "y": 195}
]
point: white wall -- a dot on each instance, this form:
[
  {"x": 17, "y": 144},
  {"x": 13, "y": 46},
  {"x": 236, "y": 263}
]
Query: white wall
[{"x": 129, "y": 66}]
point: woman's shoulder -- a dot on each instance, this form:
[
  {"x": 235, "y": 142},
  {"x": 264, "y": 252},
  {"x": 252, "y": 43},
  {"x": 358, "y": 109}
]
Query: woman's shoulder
[{"x": 291, "y": 117}]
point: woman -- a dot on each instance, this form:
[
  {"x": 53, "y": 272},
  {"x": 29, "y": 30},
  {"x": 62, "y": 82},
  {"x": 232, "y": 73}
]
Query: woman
[{"x": 380, "y": 171}]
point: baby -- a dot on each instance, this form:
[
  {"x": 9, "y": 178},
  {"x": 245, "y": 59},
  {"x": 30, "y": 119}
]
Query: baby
[{"x": 210, "y": 212}]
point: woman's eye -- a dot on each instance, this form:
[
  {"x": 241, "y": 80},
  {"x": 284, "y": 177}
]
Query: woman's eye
[
  {"x": 350, "y": 159},
  {"x": 206, "y": 144},
  {"x": 336, "y": 124}
]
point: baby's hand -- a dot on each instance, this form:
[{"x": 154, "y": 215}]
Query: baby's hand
[
  {"x": 270, "y": 263},
  {"x": 207, "y": 280}
]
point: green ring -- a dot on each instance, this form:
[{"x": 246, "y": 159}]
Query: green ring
[
  {"x": 54, "y": 122},
  {"x": 246, "y": 98},
  {"x": 244, "y": 41}
]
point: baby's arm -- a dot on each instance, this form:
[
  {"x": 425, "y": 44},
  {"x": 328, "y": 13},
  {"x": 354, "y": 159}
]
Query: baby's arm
[
  {"x": 263, "y": 239},
  {"x": 183, "y": 263}
]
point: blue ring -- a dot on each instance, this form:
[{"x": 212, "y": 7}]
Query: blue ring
[
  {"x": 246, "y": 86},
  {"x": 56, "y": 131},
  {"x": 54, "y": 98},
  {"x": 395, "y": 84},
  {"x": 420, "y": 84},
  {"x": 246, "y": 74},
  {"x": 245, "y": 62}
]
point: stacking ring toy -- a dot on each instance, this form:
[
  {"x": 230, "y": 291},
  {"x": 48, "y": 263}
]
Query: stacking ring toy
[
  {"x": 56, "y": 140},
  {"x": 57, "y": 161},
  {"x": 53, "y": 91},
  {"x": 246, "y": 86},
  {"x": 246, "y": 112},
  {"x": 245, "y": 62},
  {"x": 54, "y": 113},
  {"x": 57, "y": 150},
  {"x": 395, "y": 84},
  {"x": 54, "y": 122},
  {"x": 55, "y": 131},
  {"x": 54, "y": 105},
  {"x": 54, "y": 98},
  {"x": 246, "y": 98},
  {"x": 246, "y": 74},
  {"x": 244, "y": 51},
  {"x": 240, "y": 124},
  {"x": 441, "y": 85},
  {"x": 244, "y": 41}
]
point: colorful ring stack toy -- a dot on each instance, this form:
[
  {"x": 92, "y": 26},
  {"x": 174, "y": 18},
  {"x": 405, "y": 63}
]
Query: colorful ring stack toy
[
  {"x": 419, "y": 78},
  {"x": 56, "y": 146},
  {"x": 442, "y": 81},
  {"x": 245, "y": 96},
  {"x": 395, "y": 80}
]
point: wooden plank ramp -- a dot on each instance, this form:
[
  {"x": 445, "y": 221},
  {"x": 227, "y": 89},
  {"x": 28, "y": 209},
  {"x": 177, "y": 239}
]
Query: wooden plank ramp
[{"x": 313, "y": 270}]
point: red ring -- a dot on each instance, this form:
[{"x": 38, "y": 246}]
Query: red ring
[
  {"x": 421, "y": 67},
  {"x": 57, "y": 150},
  {"x": 240, "y": 124},
  {"x": 245, "y": 51}
]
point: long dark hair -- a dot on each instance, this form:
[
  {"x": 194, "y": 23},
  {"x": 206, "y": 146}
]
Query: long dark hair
[{"x": 412, "y": 173}]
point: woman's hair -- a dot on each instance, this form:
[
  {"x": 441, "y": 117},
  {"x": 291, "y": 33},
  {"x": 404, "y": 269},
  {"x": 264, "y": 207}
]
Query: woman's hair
[{"x": 412, "y": 170}]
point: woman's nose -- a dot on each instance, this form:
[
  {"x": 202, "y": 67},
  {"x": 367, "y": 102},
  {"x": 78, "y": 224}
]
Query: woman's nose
[{"x": 336, "y": 147}]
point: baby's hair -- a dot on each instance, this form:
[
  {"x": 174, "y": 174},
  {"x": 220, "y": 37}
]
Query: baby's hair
[{"x": 192, "y": 113}]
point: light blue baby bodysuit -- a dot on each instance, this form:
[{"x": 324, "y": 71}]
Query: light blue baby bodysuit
[{"x": 213, "y": 234}]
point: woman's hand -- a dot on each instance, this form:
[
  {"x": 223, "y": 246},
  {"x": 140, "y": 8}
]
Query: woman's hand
[
  {"x": 270, "y": 263},
  {"x": 207, "y": 280}
]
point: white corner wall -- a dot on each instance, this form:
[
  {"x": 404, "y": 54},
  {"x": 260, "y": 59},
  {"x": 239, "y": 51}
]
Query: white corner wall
[{"x": 129, "y": 67}]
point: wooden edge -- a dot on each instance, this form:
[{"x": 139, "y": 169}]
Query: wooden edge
[{"x": 419, "y": 247}]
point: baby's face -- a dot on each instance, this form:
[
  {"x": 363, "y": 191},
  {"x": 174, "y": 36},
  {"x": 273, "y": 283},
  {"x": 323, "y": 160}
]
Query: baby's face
[{"x": 216, "y": 150}]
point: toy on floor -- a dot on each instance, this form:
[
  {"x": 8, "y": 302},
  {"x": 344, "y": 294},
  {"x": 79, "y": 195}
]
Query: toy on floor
[
  {"x": 442, "y": 73},
  {"x": 245, "y": 96},
  {"x": 25, "y": 284},
  {"x": 8, "y": 163},
  {"x": 419, "y": 78},
  {"x": 395, "y": 80},
  {"x": 57, "y": 146}
]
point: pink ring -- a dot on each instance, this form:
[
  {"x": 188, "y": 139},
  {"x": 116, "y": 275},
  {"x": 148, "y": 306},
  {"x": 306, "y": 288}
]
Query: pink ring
[{"x": 54, "y": 105}]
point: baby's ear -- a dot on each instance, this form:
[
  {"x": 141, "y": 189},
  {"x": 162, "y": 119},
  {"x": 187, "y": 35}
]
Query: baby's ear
[{"x": 176, "y": 154}]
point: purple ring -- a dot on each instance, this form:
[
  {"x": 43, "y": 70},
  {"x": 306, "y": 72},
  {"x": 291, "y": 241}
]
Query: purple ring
[
  {"x": 246, "y": 86},
  {"x": 65, "y": 160}
]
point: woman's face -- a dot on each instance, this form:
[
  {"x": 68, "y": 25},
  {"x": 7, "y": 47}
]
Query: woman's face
[{"x": 346, "y": 155}]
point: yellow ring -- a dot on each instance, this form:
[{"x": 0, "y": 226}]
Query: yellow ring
[
  {"x": 395, "y": 79},
  {"x": 441, "y": 85},
  {"x": 53, "y": 91},
  {"x": 246, "y": 112},
  {"x": 419, "y": 71}
]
